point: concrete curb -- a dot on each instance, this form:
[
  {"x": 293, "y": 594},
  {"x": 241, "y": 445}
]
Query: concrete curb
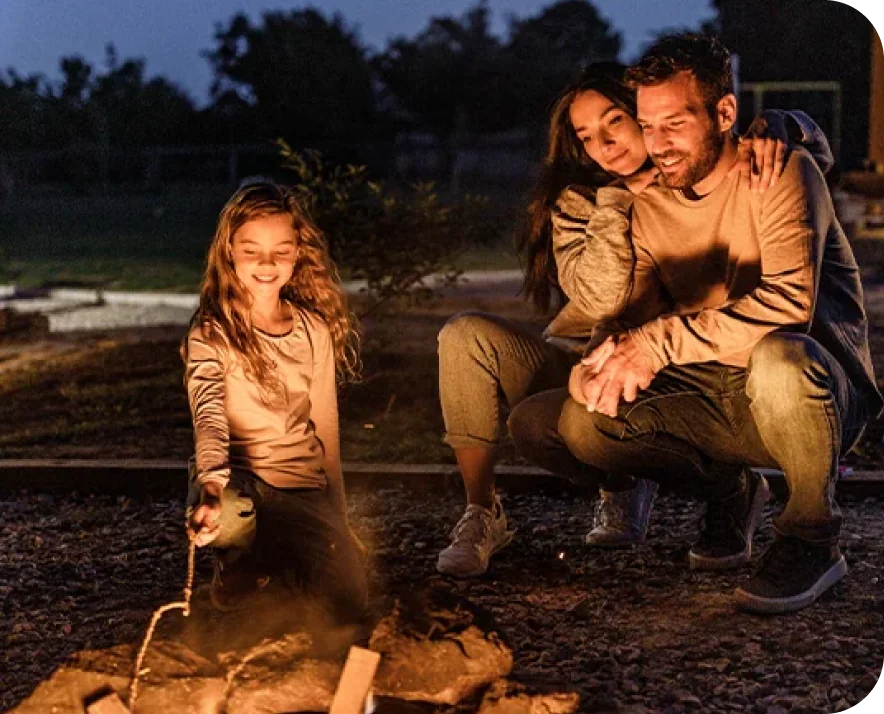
[
  {"x": 136, "y": 477},
  {"x": 191, "y": 300}
]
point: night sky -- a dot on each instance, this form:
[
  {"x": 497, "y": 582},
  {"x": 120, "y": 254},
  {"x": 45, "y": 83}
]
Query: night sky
[{"x": 170, "y": 34}]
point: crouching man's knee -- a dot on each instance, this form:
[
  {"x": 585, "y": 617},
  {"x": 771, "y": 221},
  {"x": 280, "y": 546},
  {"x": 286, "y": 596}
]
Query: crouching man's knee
[
  {"x": 785, "y": 368},
  {"x": 579, "y": 430}
]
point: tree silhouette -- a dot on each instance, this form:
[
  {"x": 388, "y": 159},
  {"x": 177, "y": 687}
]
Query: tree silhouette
[
  {"x": 129, "y": 111},
  {"x": 305, "y": 77},
  {"x": 457, "y": 78},
  {"x": 25, "y": 111},
  {"x": 452, "y": 77},
  {"x": 550, "y": 49}
]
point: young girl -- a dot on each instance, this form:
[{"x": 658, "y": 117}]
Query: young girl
[{"x": 271, "y": 334}]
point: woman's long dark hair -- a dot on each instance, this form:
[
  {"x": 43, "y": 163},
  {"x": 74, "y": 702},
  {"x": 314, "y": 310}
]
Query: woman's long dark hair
[{"x": 566, "y": 163}]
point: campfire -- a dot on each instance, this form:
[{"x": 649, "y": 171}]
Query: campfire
[
  {"x": 353, "y": 694},
  {"x": 434, "y": 648}
]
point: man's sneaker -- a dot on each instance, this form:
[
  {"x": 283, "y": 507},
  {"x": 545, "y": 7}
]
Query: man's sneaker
[
  {"x": 621, "y": 517},
  {"x": 729, "y": 525},
  {"x": 792, "y": 574},
  {"x": 478, "y": 535}
]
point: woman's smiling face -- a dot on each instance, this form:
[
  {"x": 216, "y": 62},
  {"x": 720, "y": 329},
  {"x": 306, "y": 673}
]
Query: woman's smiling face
[{"x": 607, "y": 133}]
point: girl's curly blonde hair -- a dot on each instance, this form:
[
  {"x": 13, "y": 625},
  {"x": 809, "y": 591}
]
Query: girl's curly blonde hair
[{"x": 314, "y": 286}]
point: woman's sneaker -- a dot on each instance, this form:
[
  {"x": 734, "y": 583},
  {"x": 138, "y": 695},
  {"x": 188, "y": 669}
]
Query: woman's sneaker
[
  {"x": 793, "y": 573},
  {"x": 621, "y": 517},
  {"x": 478, "y": 535}
]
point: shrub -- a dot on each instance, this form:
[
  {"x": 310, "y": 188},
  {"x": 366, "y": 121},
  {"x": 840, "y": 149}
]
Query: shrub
[{"x": 393, "y": 239}]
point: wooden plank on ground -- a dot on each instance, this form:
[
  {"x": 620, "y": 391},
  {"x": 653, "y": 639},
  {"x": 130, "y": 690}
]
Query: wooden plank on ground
[
  {"x": 355, "y": 683},
  {"x": 108, "y": 704}
]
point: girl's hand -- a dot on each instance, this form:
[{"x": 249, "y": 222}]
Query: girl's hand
[
  {"x": 204, "y": 523},
  {"x": 761, "y": 154}
]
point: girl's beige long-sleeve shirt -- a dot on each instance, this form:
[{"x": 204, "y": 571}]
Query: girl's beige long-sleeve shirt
[{"x": 289, "y": 440}]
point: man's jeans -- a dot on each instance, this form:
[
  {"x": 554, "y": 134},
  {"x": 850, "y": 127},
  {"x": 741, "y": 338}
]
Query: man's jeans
[
  {"x": 295, "y": 534},
  {"x": 793, "y": 408}
]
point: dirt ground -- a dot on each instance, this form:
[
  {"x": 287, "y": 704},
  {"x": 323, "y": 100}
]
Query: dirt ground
[{"x": 119, "y": 394}]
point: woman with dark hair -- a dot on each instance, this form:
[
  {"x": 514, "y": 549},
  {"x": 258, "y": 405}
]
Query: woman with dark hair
[{"x": 578, "y": 256}]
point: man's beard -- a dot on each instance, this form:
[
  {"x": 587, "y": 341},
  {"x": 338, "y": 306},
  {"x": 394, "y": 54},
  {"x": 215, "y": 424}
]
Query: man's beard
[{"x": 700, "y": 167}]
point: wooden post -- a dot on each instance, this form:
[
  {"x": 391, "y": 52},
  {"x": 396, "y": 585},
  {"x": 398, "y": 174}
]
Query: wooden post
[
  {"x": 355, "y": 681},
  {"x": 876, "y": 104}
]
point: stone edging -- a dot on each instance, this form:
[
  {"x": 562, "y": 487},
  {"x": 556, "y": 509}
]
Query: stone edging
[
  {"x": 190, "y": 300},
  {"x": 141, "y": 477}
]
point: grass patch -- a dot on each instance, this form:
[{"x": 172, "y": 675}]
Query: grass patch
[
  {"x": 491, "y": 257},
  {"x": 137, "y": 241},
  {"x": 121, "y": 241}
]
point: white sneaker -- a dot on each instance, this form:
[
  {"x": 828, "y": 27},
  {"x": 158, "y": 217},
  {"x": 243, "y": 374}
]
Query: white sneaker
[
  {"x": 621, "y": 517},
  {"x": 478, "y": 535}
]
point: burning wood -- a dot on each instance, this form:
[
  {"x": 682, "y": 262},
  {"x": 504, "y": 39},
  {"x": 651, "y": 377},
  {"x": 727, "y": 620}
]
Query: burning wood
[
  {"x": 431, "y": 649},
  {"x": 108, "y": 704},
  {"x": 354, "y": 689}
]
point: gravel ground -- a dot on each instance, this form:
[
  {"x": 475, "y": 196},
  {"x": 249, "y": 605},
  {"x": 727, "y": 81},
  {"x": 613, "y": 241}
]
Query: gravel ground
[{"x": 629, "y": 631}]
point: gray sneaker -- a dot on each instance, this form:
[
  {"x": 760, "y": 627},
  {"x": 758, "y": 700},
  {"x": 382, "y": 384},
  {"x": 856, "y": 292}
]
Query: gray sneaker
[
  {"x": 621, "y": 517},
  {"x": 478, "y": 535}
]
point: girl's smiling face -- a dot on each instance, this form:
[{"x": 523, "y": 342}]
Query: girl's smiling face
[
  {"x": 610, "y": 136},
  {"x": 264, "y": 251}
]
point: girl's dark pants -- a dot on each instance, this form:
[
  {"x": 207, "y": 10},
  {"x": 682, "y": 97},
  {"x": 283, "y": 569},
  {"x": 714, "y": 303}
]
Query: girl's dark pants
[{"x": 296, "y": 536}]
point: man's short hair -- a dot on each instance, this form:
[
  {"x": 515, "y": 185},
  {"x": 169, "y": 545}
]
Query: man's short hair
[{"x": 702, "y": 55}]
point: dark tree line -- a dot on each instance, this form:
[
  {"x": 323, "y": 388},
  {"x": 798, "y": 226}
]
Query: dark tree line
[
  {"x": 306, "y": 77},
  {"x": 801, "y": 40}
]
